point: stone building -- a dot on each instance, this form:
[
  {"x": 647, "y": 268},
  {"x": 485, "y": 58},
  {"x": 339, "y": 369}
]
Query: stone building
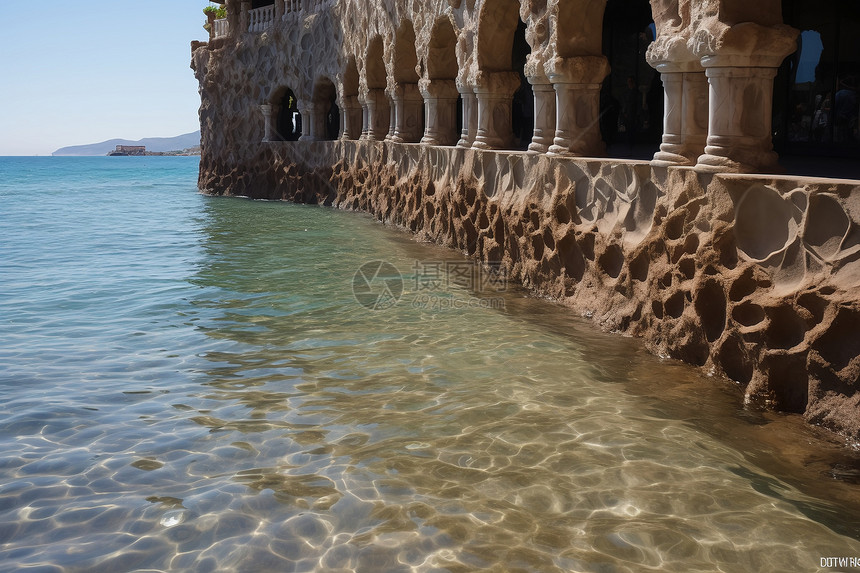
[{"x": 514, "y": 130}]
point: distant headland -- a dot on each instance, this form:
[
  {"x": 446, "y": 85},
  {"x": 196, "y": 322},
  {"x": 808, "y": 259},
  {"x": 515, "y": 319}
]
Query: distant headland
[{"x": 187, "y": 144}]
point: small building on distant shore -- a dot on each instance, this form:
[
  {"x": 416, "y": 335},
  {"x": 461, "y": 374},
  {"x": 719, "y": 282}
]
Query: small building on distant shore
[{"x": 128, "y": 150}]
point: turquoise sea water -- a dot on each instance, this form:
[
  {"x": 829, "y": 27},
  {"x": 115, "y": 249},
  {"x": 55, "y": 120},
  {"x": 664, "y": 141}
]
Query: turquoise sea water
[{"x": 190, "y": 384}]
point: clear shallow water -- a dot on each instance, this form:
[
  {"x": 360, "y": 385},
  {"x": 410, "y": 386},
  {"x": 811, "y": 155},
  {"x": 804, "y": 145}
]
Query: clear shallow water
[{"x": 188, "y": 384}]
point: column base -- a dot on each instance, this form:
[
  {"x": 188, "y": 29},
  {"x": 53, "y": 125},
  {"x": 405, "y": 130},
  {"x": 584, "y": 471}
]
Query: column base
[
  {"x": 670, "y": 158},
  {"x": 766, "y": 162}
]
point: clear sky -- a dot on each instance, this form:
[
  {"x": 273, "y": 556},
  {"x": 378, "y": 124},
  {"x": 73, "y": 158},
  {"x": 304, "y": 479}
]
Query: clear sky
[{"x": 73, "y": 73}]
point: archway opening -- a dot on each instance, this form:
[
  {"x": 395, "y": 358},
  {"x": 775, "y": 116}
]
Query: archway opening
[
  {"x": 410, "y": 120},
  {"x": 378, "y": 118},
  {"x": 817, "y": 90},
  {"x": 523, "y": 108},
  {"x": 288, "y": 125},
  {"x": 442, "y": 70},
  {"x": 502, "y": 47},
  {"x": 349, "y": 97},
  {"x": 325, "y": 105},
  {"x": 631, "y": 100}
]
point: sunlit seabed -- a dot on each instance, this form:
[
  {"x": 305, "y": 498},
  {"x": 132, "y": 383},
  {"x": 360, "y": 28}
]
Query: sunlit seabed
[{"x": 188, "y": 384}]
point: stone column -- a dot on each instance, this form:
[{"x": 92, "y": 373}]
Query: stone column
[
  {"x": 309, "y": 121},
  {"x": 233, "y": 8},
  {"x": 470, "y": 115},
  {"x": 244, "y": 17},
  {"x": 740, "y": 136},
  {"x": 392, "y": 116},
  {"x": 545, "y": 121},
  {"x": 267, "y": 110},
  {"x": 685, "y": 112},
  {"x": 279, "y": 11},
  {"x": 495, "y": 92},
  {"x": 376, "y": 112},
  {"x": 351, "y": 118},
  {"x": 577, "y": 82},
  {"x": 440, "y": 101},
  {"x": 407, "y": 113},
  {"x": 741, "y": 62}
]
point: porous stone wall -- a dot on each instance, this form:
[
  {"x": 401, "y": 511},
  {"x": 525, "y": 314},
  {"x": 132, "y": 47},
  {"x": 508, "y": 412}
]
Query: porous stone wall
[{"x": 750, "y": 276}]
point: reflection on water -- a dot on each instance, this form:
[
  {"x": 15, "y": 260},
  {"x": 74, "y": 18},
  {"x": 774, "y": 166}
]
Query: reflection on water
[{"x": 249, "y": 415}]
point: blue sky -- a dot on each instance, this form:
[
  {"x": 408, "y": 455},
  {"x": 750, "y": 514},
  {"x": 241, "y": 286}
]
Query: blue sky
[{"x": 82, "y": 72}]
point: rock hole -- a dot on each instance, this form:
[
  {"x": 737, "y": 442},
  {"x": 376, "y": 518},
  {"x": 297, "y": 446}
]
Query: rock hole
[
  {"x": 691, "y": 244},
  {"x": 687, "y": 266},
  {"x": 674, "y": 305},
  {"x": 612, "y": 261},
  {"x": 562, "y": 215},
  {"x": 786, "y": 329},
  {"x": 548, "y": 239},
  {"x": 841, "y": 343},
  {"x": 748, "y": 314},
  {"x": 826, "y": 225},
  {"x": 640, "y": 266},
  {"x": 815, "y": 305},
  {"x": 657, "y": 309},
  {"x": 788, "y": 381},
  {"x": 743, "y": 287},
  {"x": 674, "y": 226},
  {"x": 537, "y": 246},
  {"x": 571, "y": 257},
  {"x": 710, "y": 305},
  {"x": 734, "y": 361},
  {"x": 586, "y": 243}
]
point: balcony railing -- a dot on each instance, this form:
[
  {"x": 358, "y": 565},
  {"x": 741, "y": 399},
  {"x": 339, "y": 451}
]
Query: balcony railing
[
  {"x": 261, "y": 19},
  {"x": 221, "y": 28}
]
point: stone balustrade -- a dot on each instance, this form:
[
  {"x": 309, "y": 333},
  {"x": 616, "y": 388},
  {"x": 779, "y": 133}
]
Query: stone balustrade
[
  {"x": 260, "y": 19},
  {"x": 221, "y": 28}
]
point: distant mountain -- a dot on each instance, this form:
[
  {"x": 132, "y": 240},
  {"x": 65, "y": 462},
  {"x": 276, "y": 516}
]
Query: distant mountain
[{"x": 177, "y": 143}]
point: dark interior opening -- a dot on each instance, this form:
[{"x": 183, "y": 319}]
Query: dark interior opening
[
  {"x": 631, "y": 99},
  {"x": 815, "y": 107},
  {"x": 522, "y": 109},
  {"x": 289, "y": 124}
]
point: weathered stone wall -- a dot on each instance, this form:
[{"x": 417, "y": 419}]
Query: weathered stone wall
[{"x": 751, "y": 276}]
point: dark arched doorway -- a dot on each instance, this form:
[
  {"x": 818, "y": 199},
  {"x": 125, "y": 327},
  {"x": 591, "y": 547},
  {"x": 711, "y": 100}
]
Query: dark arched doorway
[
  {"x": 326, "y": 109},
  {"x": 288, "y": 126}
]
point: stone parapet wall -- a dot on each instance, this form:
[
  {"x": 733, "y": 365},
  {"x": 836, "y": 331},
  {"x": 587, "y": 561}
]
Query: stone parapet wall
[{"x": 750, "y": 276}]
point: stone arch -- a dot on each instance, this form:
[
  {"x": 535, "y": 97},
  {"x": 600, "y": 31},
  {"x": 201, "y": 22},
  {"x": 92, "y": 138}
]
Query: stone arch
[
  {"x": 404, "y": 55},
  {"x": 496, "y": 28},
  {"x": 285, "y": 121},
  {"x": 442, "y": 52},
  {"x": 442, "y": 101},
  {"x": 375, "y": 76},
  {"x": 579, "y": 24},
  {"x": 407, "y": 116},
  {"x": 374, "y": 102}
]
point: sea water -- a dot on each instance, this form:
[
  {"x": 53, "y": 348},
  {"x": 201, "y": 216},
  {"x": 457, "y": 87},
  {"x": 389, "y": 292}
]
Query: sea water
[{"x": 191, "y": 383}]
